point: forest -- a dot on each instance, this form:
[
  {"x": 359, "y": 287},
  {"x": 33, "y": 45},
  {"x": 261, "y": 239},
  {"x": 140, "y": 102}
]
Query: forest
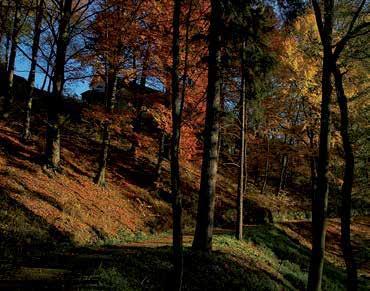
[{"x": 184, "y": 145}]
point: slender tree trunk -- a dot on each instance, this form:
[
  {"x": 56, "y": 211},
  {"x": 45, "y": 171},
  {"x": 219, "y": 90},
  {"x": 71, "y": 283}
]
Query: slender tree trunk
[
  {"x": 50, "y": 84},
  {"x": 144, "y": 68},
  {"x": 100, "y": 177},
  {"x": 111, "y": 102},
  {"x": 206, "y": 204},
  {"x": 7, "y": 48},
  {"x": 347, "y": 184},
  {"x": 4, "y": 16},
  {"x": 175, "y": 144},
  {"x": 9, "y": 97},
  {"x": 111, "y": 89},
  {"x": 31, "y": 76},
  {"x": 158, "y": 170},
  {"x": 241, "y": 185},
  {"x": 186, "y": 60},
  {"x": 320, "y": 197},
  {"x": 54, "y": 118},
  {"x": 283, "y": 172},
  {"x": 45, "y": 79},
  {"x": 267, "y": 164}
]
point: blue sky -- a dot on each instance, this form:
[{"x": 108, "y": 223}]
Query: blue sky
[{"x": 22, "y": 67}]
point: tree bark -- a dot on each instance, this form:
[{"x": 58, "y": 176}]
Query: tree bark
[
  {"x": 312, "y": 161},
  {"x": 111, "y": 89},
  {"x": 347, "y": 184},
  {"x": 284, "y": 164},
  {"x": 100, "y": 177},
  {"x": 206, "y": 203},
  {"x": 175, "y": 143},
  {"x": 320, "y": 197},
  {"x": 9, "y": 94},
  {"x": 144, "y": 68},
  {"x": 267, "y": 164},
  {"x": 31, "y": 77},
  {"x": 241, "y": 182},
  {"x": 160, "y": 158},
  {"x": 54, "y": 117}
]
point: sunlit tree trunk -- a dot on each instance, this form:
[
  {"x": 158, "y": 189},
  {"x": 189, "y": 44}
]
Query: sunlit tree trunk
[
  {"x": 54, "y": 117},
  {"x": 111, "y": 89},
  {"x": 100, "y": 177},
  {"x": 206, "y": 203}
]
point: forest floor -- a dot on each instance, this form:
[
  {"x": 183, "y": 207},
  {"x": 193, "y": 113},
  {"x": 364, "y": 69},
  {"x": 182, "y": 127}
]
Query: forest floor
[
  {"x": 271, "y": 257},
  {"x": 60, "y": 231}
]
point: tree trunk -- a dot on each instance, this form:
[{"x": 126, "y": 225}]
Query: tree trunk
[
  {"x": 347, "y": 184},
  {"x": 50, "y": 83},
  {"x": 100, "y": 177},
  {"x": 144, "y": 68},
  {"x": 9, "y": 94},
  {"x": 111, "y": 89},
  {"x": 175, "y": 143},
  {"x": 31, "y": 76},
  {"x": 320, "y": 197},
  {"x": 158, "y": 170},
  {"x": 267, "y": 164},
  {"x": 54, "y": 117},
  {"x": 206, "y": 204},
  {"x": 283, "y": 171},
  {"x": 312, "y": 161},
  {"x": 241, "y": 185}
]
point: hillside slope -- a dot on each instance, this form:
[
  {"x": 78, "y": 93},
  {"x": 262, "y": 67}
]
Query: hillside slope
[{"x": 60, "y": 228}]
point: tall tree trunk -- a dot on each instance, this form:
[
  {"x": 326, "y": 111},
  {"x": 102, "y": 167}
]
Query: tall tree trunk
[
  {"x": 100, "y": 177},
  {"x": 320, "y": 197},
  {"x": 111, "y": 89},
  {"x": 267, "y": 164},
  {"x": 54, "y": 118},
  {"x": 283, "y": 172},
  {"x": 32, "y": 73},
  {"x": 242, "y": 117},
  {"x": 347, "y": 184},
  {"x": 206, "y": 204},
  {"x": 312, "y": 161},
  {"x": 175, "y": 144},
  {"x": 9, "y": 94}
]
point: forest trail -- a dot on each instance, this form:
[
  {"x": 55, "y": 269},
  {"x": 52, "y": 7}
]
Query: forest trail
[{"x": 67, "y": 270}]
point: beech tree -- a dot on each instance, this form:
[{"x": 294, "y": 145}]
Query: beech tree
[
  {"x": 52, "y": 150},
  {"x": 31, "y": 77},
  {"x": 320, "y": 197},
  {"x": 206, "y": 205},
  {"x": 14, "y": 35},
  {"x": 177, "y": 106},
  {"x": 325, "y": 21}
]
